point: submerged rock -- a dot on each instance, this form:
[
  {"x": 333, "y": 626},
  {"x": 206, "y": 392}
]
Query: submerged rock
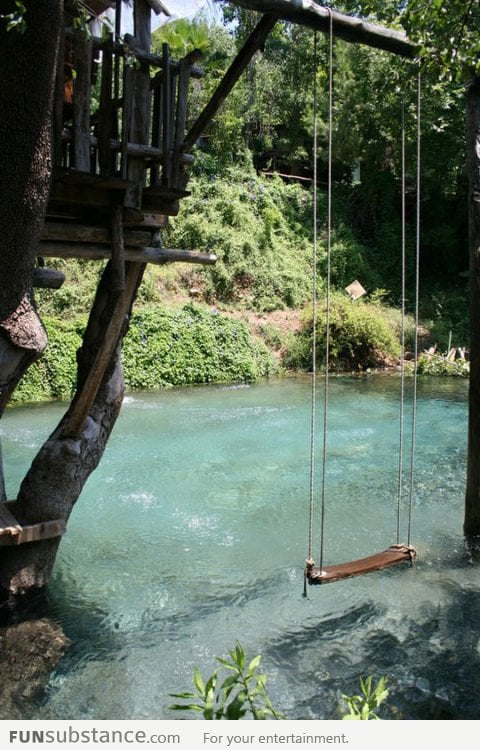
[{"x": 29, "y": 651}]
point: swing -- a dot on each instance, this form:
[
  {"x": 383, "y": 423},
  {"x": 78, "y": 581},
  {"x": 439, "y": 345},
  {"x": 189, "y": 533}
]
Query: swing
[{"x": 399, "y": 552}]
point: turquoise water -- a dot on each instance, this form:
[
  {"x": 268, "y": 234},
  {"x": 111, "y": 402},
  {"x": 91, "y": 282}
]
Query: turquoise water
[{"x": 193, "y": 532}]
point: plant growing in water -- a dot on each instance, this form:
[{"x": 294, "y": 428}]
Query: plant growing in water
[
  {"x": 242, "y": 692},
  {"x": 364, "y": 706}
]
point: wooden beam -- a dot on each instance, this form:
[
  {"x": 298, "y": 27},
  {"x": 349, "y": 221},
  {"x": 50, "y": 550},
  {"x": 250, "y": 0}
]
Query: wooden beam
[
  {"x": 254, "y": 43},
  {"x": 85, "y": 397},
  {"x": 59, "y": 232},
  {"x": 47, "y": 278},
  {"x": 309, "y": 13},
  {"x": 156, "y": 255}
]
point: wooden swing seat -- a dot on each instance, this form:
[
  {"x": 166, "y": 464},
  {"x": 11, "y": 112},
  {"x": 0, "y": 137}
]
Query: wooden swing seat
[
  {"x": 13, "y": 533},
  {"x": 394, "y": 555}
]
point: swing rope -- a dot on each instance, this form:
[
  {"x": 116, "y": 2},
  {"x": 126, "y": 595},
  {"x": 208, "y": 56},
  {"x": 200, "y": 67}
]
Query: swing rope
[
  {"x": 314, "y": 306},
  {"x": 309, "y": 561},
  {"x": 327, "y": 301},
  {"x": 417, "y": 306},
  {"x": 398, "y": 552},
  {"x": 402, "y": 347}
]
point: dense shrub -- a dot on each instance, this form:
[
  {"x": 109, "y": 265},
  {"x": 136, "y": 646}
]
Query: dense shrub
[
  {"x": 261, "y": 233},
  {"x": 360, "y": 337},
  {"x": 163, "y": 347},
  {"x": 191, "y": 345}
]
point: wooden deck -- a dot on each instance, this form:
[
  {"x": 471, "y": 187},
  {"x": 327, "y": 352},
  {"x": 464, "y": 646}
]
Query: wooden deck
[{"x": 13, "y": 533}]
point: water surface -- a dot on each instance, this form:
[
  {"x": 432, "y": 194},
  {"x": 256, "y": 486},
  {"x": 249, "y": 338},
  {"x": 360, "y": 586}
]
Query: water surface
[{"x": 193, "y": 532}]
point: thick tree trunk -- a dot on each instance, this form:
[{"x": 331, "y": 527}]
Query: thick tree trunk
[
  {"x": 27, "y": 76},
  {"x": 472, "y": 498}
]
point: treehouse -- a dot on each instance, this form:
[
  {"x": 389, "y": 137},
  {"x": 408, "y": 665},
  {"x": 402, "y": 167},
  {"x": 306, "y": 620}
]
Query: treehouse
[{"x": 120, "y": 163}]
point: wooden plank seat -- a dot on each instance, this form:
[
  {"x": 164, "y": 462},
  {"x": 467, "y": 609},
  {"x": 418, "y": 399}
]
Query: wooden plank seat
[
  {"x": 13, "y": 533},
  {"x": 394, "y": 555}
]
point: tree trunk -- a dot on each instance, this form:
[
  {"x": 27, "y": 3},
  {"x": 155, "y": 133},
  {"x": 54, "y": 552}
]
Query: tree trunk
[
  {"x": 27, "y": 75},
  {"x": 472, "y": 498}
]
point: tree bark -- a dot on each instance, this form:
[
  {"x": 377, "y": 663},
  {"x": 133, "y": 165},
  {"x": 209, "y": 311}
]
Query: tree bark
[
  {"x": 27, "y": 76},
  {"x": 472, "y": 496}
]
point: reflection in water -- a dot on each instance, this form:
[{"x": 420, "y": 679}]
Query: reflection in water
[{"x": 192, "y": 535}]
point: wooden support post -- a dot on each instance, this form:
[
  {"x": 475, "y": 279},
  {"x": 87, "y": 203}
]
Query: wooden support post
[
  {"x": 182, "y": 102},
  {"x": 85, "y": 398},
  {"x": 105, "y": 133},
  {"x": 166, "y": 118},
  {"x": 81, "y": 103},
  {"x": 254, "y": 43},
  {"x": 140, "y": 112},
  {"x": 118, "y": 250}
]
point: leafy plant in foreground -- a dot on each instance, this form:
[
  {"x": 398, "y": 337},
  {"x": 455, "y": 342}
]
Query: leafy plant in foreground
[
  {"x": 364, "y": 706},
  {"x": 239, "y": 694}
]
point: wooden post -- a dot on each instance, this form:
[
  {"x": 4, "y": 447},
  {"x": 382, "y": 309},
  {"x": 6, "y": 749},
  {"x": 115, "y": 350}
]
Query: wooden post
[
  {"x": 472, "y": 496},
  {"x": 140, "y": 98},
  {"x": 182, "y": 102},
  {"x": 85, "y": 398},
  {"x": 105, "y": 133},
  {"x": 81, "y": 102},
  {"x": 166, "y": 118},
  {"x": 118, "y": 250}
]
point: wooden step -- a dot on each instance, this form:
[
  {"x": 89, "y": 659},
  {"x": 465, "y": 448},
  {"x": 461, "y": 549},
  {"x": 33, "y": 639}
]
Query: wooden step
[{"x": 13, "y": 533}]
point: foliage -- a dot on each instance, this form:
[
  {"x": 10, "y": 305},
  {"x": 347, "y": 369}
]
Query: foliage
[
  {"x": 15, "y": 20},
  {"x": 448, "y": 36},
  {"x": 436, "y": 364},
  {"x": 261, "y": 233},
  {"x": 241, "y": 694},
  {"x": 54, "y": 375},
  {"x": 360, "y": 337},
  {"x": 365, "y": 706},
  {"x": 164, "y": 347},
  {"x": 189, "y": 346}
]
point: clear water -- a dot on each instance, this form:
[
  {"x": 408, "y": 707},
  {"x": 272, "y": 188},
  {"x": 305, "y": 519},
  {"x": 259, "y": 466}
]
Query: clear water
[{"x": 193, "y": 532}]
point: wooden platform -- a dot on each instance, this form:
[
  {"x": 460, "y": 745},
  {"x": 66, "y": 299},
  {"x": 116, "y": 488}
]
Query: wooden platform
[
  {"x": 394, "y": 555},
  {"x": 13, "y": 533}
]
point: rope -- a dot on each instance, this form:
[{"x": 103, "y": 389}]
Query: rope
[
  {"x": 402, "y": 353},
  {"x": 314, "y": 306},
  {"x": 327, "y": 321},
  {"x": 417, "y": 299}
]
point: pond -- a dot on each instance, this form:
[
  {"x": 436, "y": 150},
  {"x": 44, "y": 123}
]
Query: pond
[{"x": 193, "y": 532}]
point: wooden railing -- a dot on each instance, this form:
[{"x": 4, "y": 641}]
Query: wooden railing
[{"x": 98, "y": 97}]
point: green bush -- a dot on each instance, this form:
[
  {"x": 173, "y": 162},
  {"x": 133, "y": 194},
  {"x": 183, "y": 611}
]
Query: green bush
[
  {"x": 360, "y": 337},
  {"x": 191, "y": 345},
  {"x": 54, "y": 375},
  {"x": 162, "y": 348}
]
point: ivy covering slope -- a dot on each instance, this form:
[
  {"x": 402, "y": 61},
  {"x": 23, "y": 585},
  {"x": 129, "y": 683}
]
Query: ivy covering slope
[{"x": 164, "y": 347}]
